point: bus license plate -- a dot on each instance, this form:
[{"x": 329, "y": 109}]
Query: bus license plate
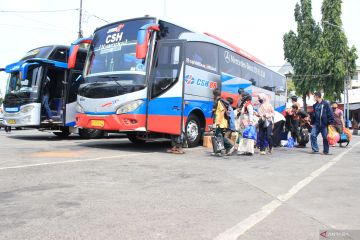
[
  {"x": 97, "y": 123},
  {"x": 11, "y": 121}
]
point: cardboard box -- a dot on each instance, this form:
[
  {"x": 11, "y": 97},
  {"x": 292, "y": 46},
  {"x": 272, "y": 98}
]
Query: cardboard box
[{"x": 207, "y": 142}]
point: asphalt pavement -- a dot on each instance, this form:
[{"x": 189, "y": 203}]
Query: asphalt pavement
[{"x": 53, "y": 188}]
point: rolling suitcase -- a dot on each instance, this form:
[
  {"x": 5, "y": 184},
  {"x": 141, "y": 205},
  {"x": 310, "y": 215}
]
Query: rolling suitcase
[{"x": 218, "y": 141}]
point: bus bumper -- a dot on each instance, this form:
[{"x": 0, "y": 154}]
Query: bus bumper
[{"x": 114, "y": 122}]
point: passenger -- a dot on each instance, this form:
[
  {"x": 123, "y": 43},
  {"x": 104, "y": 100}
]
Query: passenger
[
  {"x": 302, "y": 135},
  {"x": 322, "y": 118},
  {"x": 46, "y": 98},
  {"x": 246, "y": 116},
  {"x": 338, "y": 115},
  {"x": 292, "y": 120},
  {"x": 220, "y": 111},
  {"x": 231, "y": 119},
  {"x": 265, "y": 113},
  {"x": 241, "y": 92},
  {"x": 177, "y": 144}
]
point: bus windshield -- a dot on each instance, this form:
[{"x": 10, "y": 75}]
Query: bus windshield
[
  {"x": 112, "y": 52},
  {"x": 25, "y": 88},
  {"x": 42, "y": 52}
]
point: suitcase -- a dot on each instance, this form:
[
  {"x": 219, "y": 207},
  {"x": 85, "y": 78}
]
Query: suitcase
[{"x": 218, "y": 143}]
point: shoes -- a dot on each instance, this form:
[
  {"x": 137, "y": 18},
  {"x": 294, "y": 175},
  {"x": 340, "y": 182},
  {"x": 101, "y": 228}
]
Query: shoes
[
  {"x": 231, "y": 151},
  {"x": 315, "y": 152},
  {"x": 262, "y": 152},
  {"x": 326, "y": 153},
  {"x": 270, "y": 150}
]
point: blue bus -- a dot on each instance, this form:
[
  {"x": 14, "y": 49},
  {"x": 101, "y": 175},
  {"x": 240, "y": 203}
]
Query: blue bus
[
  {"x": 23, "y": 105},
  {"x": 149, "y": 77}
]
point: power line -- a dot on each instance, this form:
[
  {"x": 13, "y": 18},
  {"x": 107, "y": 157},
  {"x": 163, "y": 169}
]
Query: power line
[{"x": 41, "y": 11}]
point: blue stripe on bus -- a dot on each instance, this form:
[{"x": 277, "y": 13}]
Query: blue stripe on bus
[{"x": 70, "y": 124}]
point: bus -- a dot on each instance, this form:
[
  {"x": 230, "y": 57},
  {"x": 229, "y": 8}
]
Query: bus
[
  {"x": 147, "y": 77},
  {"x": 23, "y": 105}
]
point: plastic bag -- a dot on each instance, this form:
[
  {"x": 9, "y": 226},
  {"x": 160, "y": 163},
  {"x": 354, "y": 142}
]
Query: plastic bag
[
  {"x": 250, "y": 132},
  {"x": 333, "y": 136},
  {"x": 290, "y": 142},
  {"x": 348, "y": 133}
]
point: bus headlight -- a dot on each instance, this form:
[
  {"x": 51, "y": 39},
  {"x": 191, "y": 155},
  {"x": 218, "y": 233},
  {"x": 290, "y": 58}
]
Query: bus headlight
[
  {"x": 79, "y": 108},
  {"x": 129, "y": 107},
  {"x": 26, "y": 109}
]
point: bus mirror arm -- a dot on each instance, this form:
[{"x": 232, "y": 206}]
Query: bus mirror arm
[
  {"x": 2, "y": 69},
  {"x": 74, "y": 50},
  {"x": 143, "y": 36}
]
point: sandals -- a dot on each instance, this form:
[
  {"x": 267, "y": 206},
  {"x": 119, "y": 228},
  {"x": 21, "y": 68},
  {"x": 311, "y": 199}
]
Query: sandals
[{"x": 175, "y": 151}]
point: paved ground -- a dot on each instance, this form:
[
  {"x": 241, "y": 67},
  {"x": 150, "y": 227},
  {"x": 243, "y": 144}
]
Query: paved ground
[{"x": 111, "y": 189}]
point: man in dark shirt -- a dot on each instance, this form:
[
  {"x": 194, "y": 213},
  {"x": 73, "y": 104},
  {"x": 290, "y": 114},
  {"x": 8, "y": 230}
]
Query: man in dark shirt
[{"x": 323, "y": 117}]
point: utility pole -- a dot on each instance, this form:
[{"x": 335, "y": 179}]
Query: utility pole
[{"x": 80, "y": 18}]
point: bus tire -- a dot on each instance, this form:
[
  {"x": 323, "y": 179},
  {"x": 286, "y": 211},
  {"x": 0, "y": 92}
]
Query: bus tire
[
  {"x": 135, "y": 139},
  {"x": 90, "y": 133},
  {"x": 193, "y": 131},
  {"x": 65, "y": 132}
]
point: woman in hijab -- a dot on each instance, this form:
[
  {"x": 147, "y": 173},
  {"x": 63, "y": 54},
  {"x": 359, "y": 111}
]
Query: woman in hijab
[
  {"x": 246, "y": 111},
  {"x": 265, "y": 113}
]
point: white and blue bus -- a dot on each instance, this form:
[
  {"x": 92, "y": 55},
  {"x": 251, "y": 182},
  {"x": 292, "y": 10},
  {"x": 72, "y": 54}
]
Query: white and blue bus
[
  {"x": 23, "y": 105},
  {"x": 148, "y": 77}
]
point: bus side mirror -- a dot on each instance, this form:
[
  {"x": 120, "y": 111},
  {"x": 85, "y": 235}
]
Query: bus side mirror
[
  {"x": 2, "y": 69},
  {"x": 74, "y": 50},
  {"x": 24, "y": 70},
  {"x": 142, "y": 42}
]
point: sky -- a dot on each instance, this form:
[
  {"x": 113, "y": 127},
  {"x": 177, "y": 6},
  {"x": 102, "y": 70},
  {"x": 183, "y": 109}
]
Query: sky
[{"x": 256, "y": 26}]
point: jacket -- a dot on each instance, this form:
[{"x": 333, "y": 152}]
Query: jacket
[{"x": 323, "y": 114}]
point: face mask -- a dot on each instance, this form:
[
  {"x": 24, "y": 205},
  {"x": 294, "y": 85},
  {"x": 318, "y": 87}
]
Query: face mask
[{"x": 261, "y": 101}]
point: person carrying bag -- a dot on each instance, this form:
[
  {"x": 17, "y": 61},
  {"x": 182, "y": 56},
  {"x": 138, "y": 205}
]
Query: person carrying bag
[
  {"x": 247, "y": 131},
  {"x": 266, "y": 114}
]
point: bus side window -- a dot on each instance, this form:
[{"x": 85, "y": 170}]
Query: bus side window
[
  {"x": 60, "y": 55},
  {"x": 202, "y": 55},
  {"x": 166, "y": 71}
]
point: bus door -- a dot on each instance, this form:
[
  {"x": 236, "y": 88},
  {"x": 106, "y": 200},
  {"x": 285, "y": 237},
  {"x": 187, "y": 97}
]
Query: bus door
[
  {"x": 57, "y": 78},
  {"x": 73, "y": 81},
  {"x": 166, "y": 87}
]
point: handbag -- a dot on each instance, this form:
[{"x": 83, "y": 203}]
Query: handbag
[{"x": 250, "y": 132}]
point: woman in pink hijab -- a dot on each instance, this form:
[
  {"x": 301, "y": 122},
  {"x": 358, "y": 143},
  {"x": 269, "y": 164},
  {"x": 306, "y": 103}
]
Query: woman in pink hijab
[{"x": 265, "y": 114}]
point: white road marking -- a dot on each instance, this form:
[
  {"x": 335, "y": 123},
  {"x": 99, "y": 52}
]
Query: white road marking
[
  {"x": 75, "y": 161},
  {"x": 239, "y": 229}
]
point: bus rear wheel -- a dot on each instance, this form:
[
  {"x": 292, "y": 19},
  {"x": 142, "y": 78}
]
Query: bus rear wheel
[
  {"x": 65, "y": 132},
  {"x": 90, "y": 133},
  {"x": 193, "y": 131}
]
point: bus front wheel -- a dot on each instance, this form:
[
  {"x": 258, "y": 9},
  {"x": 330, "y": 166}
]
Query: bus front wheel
[
  {"x": 65, "y": 132},
  {"x": 90, "y": 133},
  {"x": 193, "y": 131}
]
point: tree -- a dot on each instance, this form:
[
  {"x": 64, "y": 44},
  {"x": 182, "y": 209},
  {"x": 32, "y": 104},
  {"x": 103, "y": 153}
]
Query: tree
[
  {"x": 336, "y": 60},
  {"x": 301, "y": 50}
]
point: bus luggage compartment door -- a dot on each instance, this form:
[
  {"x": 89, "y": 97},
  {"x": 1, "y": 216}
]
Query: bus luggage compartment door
[{"x": 165, "y": 96}]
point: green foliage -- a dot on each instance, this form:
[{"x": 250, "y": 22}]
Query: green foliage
[
  {"x": 336, "y": 60},
  {"x": 320, "y": 57},
  {"x": 301, "y": 49}
]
